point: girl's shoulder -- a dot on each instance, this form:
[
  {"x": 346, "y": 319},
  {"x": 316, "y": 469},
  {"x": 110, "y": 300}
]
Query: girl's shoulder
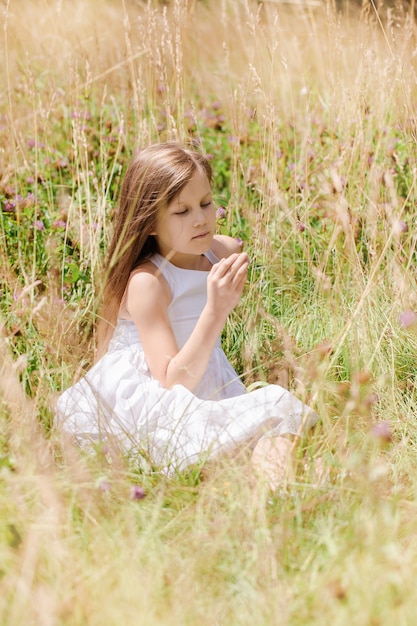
[
  {"x": 223, "y": 246},
  {"x": 147, "y": 274},
  {"x": 146, "y": 288}
]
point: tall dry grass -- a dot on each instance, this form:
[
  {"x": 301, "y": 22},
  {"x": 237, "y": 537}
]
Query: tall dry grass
[{"x": 309, "y": 112}]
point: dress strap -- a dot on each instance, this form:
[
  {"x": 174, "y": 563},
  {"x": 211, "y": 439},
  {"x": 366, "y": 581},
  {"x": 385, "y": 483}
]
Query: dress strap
[
  {"x": 162, "y": 263},
  {"x": 211, "y": 257}
]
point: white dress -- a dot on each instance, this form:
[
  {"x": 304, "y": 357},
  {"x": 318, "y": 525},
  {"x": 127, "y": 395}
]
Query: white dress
[{"x": 118, "y": 399}]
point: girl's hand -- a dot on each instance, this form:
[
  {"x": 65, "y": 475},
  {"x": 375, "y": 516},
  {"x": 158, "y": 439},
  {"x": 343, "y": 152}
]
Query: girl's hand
[{"x": 226, "y": 281}]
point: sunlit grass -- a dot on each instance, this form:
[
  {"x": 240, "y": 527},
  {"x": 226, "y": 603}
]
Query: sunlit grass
[{"x": 308, "y": 112}]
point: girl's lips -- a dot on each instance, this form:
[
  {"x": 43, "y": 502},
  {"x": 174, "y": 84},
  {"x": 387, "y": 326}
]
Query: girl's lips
[{"x": 201, "y": 236}]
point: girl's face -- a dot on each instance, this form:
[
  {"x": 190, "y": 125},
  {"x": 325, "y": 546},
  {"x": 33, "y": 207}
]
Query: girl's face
[{"x": 185, "y": 228}]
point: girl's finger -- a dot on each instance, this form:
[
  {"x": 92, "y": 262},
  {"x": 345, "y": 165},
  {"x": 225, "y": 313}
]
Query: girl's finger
[
  {"x": 241, "y": 268},
  {"x": 223, "y": 266},
  {"x": 237, "y": 260},
  {"x": 240, "y": 275}
]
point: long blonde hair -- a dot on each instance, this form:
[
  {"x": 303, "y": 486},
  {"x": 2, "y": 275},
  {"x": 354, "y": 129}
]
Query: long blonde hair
[{"x": 153, "y": 178}]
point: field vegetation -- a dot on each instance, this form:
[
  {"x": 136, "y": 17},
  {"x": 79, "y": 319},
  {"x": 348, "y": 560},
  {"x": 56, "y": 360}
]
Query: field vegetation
[{"x": 308, "y": 111}]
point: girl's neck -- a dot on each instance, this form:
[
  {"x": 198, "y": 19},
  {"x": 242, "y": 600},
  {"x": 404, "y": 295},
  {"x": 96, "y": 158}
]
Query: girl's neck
[{"x": 189, "y": 262}]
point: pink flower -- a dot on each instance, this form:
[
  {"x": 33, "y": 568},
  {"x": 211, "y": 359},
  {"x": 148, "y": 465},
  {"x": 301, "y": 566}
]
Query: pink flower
[
  {"x": 104, "y": 485},
  {"x": 59, "y": 224},
  {"x": 407, "y": 318},
  {"x": 137, "y": 493},
  {"x": 9, "y": 207},
  {"x": 39, "y": 225},
  {"x": 400, "y": 227},
  {"x": 382, "y": 430}
]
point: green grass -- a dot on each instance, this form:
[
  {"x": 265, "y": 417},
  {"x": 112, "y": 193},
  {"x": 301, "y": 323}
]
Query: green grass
[{"x": 309, "y": 115}]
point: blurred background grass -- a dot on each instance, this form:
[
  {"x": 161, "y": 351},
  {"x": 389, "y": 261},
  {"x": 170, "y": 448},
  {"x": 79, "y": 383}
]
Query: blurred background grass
[{"x": 308, "y": 113}]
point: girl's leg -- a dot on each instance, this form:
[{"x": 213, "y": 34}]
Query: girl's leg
[{"x": 272, "y": 460}]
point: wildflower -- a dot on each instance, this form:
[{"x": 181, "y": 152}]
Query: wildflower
[
  {"x": 189, "y": 115},
  {"x": 9, "y": 191},
  {"x": 382, "y": 431},
  {"x": 9, "y": 207},
  {"x": 39, "y": 225},
  {"x": 137, "y": 493},
  {"x": 20, "y": 200},
  {"x": 30, "y": 180},
  {"x": 400, "y": 227},
  {"x": 407, "y": 318},
  {"x": 30, "y": 200},
  {"x": 59, "y": 224},
  {"x": 220, "y": 213},
  {"x": 301, "y": 226},
  {"x": 104, "y": 485},
  {"x": 239, "y": 241}
]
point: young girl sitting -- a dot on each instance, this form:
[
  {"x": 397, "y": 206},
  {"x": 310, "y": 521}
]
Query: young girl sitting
[{"x": 163, "y": 386}]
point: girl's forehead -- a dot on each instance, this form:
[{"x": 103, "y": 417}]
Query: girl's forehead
[
  {"x": 198, "y": 182},
  {"x": 197, "y": 185}
]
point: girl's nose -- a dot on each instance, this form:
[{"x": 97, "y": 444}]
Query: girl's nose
[{"x": 200, "y": 219}]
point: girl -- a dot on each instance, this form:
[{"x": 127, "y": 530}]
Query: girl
[{"x": 163, "y": 385}]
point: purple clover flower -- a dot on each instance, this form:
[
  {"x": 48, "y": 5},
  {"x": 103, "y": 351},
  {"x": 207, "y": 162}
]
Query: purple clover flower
[
  {"x": 382, "y": 431},
  {"x": 104, "y": 485},
  {"x": 407, "y": 319},
  {"x": 137, "y": 493},
  {"x": 20, "y": 200},
  {"x": 59, "y": 224},
  {"x": 9, "y": 207},
  {"x": 400, "y": 227},
  {"x": 220, "y": 213},
  {"x": 30, "y": 199},
  {"x": 39, "y": 225}
]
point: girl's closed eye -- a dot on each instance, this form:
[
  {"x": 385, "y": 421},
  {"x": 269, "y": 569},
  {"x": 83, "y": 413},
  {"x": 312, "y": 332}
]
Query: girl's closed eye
[
  {"x": 183, "y": 212},
  {"x": 206, "y": 204}
]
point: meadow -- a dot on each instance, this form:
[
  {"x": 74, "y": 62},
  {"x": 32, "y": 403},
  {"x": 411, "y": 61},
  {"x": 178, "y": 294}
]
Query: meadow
[{"x": 308, "y": 112}]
